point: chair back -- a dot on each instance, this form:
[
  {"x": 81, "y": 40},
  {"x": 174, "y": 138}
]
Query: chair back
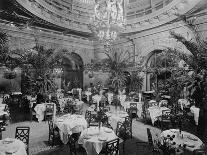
[
  {"x": 112, "y": 147},
  {"x": 133, "y": 105},
  {"x": 22, "y": 133},
  {"x": 105, "y": 119},
  {"x": 166, "y": 114},
  {"x": 87, "y": 114},
  {"x": 92, "y": 121},
  {"x": 50, "y": 108},
  {"x": 51, "y": 127},
  {"x": 149, "y": 136}
]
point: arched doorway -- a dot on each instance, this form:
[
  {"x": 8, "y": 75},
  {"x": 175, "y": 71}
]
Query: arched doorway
[
  {"x": 72, "y": 66},
  {"x": 159, "y": 64}
]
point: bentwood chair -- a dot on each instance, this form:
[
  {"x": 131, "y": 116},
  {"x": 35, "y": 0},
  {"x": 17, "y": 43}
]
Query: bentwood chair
[
  {"x": 92, "y": 121},
  {"x": 87, "y": 115},
  {"x": 133, "y": 109},
  {"x": 112, "y": 147},
  {"x": 151, "y": 144},
  {"x": 165, "y": 119},
  {"x": 49, "y": 111},
  {"x": 53, "y": 133},
  {"x": 72, "y": 145},
  {"x": 123, "y": 132},
  {"x": 22, "y": 133}
]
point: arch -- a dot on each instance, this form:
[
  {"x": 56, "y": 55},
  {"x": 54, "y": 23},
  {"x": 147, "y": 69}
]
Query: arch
[{"x": 72, "y": 65}]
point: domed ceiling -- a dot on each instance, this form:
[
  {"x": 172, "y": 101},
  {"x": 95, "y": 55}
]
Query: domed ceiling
[{"x": 74, "y": 15}]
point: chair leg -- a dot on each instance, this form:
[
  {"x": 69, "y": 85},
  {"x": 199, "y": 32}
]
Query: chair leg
[{"x": 124, "y": 148}]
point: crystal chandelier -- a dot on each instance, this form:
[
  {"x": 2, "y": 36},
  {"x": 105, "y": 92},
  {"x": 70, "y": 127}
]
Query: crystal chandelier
[{"x": 108, "y": 20}]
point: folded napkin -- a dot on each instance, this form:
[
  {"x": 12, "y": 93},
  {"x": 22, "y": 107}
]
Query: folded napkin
[
  {"x": 192, "y": 138},
  {"x": 189, "y": 144}
]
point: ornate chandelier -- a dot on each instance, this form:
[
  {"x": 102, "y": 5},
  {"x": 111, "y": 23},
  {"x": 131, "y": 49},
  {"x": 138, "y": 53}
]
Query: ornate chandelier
[{"x": 108, "y": 20}]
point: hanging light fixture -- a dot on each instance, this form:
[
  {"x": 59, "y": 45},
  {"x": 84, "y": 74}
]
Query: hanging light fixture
[{"x": 108, "y": 20}]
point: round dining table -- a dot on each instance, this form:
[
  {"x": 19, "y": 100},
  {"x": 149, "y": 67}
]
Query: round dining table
[
  {"x": 183, "y": 138},
  {"x": 94, "y": 138},
  {"x": 115, "y": 117},
  {"x": 11, "y": 146},
  {"x": 155, "y": 112},
  {"x": 68, "y": 124}
]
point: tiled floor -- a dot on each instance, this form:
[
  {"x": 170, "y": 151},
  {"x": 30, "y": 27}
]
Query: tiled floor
[{"x": 39, "y": 136}]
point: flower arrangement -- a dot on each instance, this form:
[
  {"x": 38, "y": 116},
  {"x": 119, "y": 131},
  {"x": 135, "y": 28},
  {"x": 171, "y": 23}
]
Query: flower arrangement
[{"x": 168, "y": 145}]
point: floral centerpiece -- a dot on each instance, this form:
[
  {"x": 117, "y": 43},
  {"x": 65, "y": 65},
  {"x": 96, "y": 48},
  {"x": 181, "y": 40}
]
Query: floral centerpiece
[{"x": 168, "y": 145}]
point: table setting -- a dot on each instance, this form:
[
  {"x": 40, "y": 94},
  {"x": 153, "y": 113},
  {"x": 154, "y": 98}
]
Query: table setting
[
  {"x": 12, "y": 146},
  {"x": 68, "y": 124},
  {"x": 94, "y": 138},
  {"x": 179, "y": 141}
]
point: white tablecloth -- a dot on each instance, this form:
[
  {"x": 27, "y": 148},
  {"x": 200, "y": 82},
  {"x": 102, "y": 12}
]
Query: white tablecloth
[
  {"x": 126, "y": 105},
  {"x": 116, "y": 117},
  {"x": 192, "y": 142},
  {"x": 69, "y": 124},
  {"x": 14, "y": 147},
  {"x": 195, "y": 112},
  {"x": 93, "y": 139},
  {"x": 122, "y": 98},
  {"x": 1, "y": 100},
  {"x": 2, "y": 107},
  {"x": 88, "y": 93},
  {"x": 110, "y": 97},
  {"x": 40, "y": 111},
  {"x": 155, "y": 112}
]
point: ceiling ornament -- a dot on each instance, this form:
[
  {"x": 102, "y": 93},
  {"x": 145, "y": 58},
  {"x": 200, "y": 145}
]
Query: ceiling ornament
[{"x": 108, "y": 20}]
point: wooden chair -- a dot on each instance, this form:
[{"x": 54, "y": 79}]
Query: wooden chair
[
  {"x": 133, "y": 109},
  {"x": 2, "y": 128},
  {"x": 112, "y": 147},
  {"x": 72, "y": 145},
  {"x": 154, "y": 149},
  {"x": 53, "y": 133},
  {"x": 87, "y": 115},
  {"x": 22, "y": 133},
  {"x": 123, "y": 132},
  {"x": 165, "y": 119},
  {"x": 32, "y": 111},
  {"x": 49, "y": 111},
  {"x": 92, "y": 121}
]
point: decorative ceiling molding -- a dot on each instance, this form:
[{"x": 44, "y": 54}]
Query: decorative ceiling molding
[
  {"x": 165, "y": 15},
  {"x": 76, "y": 16}
]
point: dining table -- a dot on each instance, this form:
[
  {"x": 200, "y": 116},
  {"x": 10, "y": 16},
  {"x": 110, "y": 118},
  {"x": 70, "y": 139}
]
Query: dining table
[
  {"x": 11, "y": 146},
  {"x": 2, "y": 110},
  {"x": 195, "y": 111},
  {"x": 126, "y": 105},
  {"x": 93, "y": 139},
  {"x": 115, "y": 117},
  {"x": 40, "y": 111},
  {"x": 68, "y": 124},
  {"x": 155, "y": 112},
  {"x": 183, "y": 139}
]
